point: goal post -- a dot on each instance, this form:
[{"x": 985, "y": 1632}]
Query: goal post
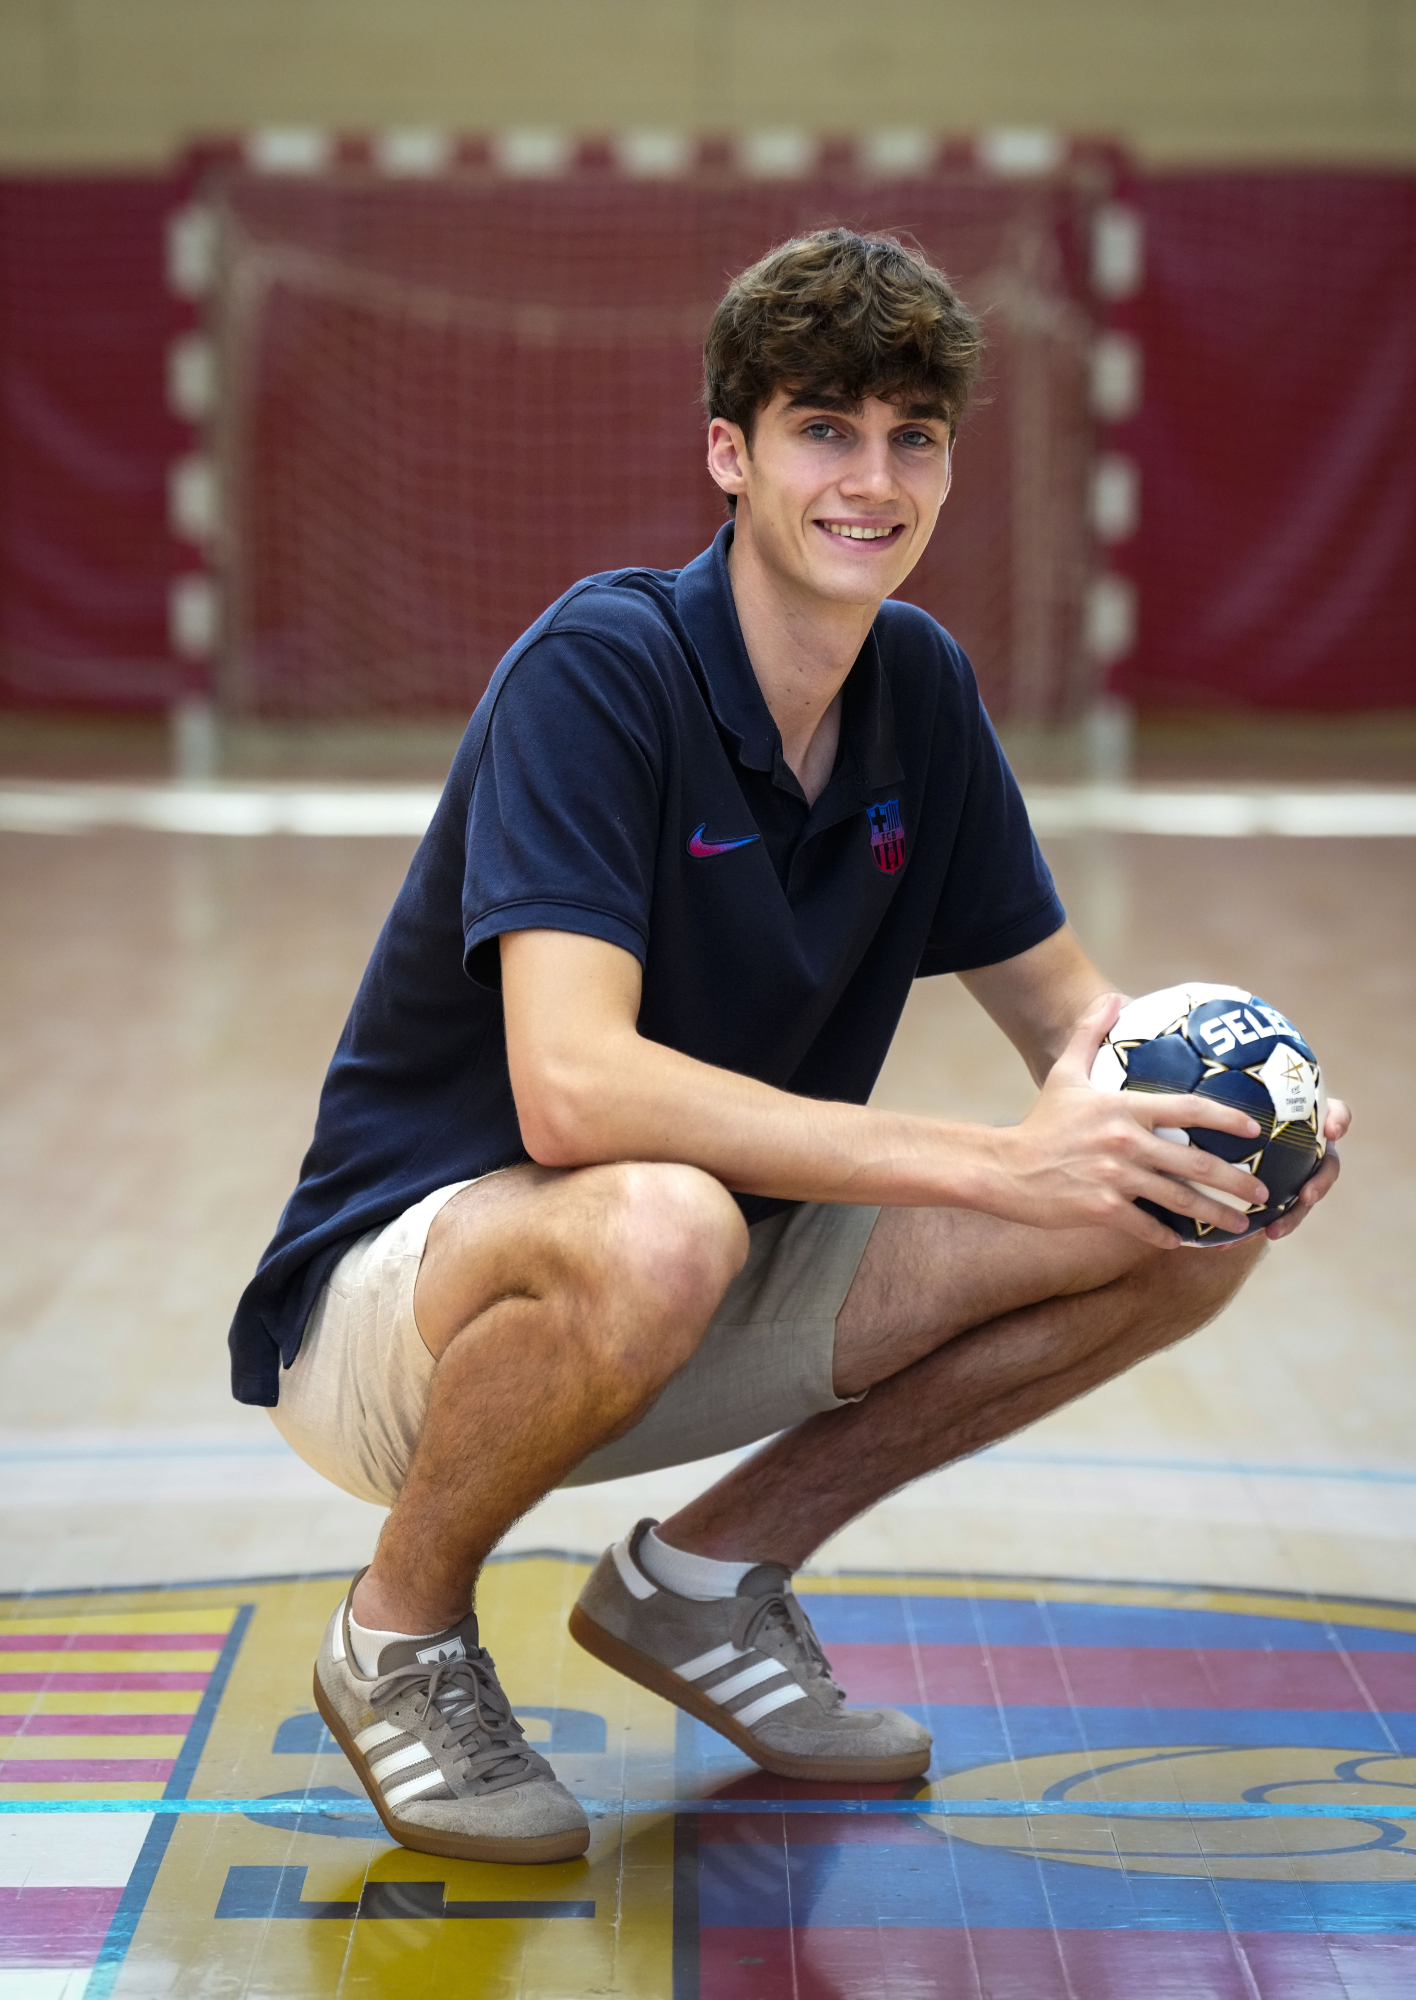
[{"x": 435, "y": 396}]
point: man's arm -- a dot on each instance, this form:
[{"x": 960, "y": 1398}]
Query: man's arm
[
  {"x": 590, "y": 1088},
  {"x": 1038, "y": 997}
]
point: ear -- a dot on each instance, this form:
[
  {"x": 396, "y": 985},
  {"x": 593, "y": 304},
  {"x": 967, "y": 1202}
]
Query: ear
[{"x": 728, "y": 455}]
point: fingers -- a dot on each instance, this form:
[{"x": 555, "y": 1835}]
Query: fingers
[
  {"x": 1185, "y": 1198},
  {"x": 1074, "y": 1065},
  {"x": 1133, "y": 1221},
  {"x": 1339, "y": 1117},
  {"x": 1155, "y": 1109},
  {"x": 1193, "y": 1163}
]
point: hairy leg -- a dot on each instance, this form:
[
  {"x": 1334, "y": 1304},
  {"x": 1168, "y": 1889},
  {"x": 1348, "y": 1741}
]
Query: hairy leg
[
  {"x": 989, "y": 1327},
  {"x": 557, "y": 1305}
]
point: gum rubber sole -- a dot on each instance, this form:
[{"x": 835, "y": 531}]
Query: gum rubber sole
[
  {"x": 451, "y": 1846},
  {"x": 662, "y": 1680}
]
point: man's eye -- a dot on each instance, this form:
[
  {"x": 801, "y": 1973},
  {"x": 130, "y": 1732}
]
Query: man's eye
[
  {"x": 821, "y": 430},
  {"x": 915, "y": 438}
]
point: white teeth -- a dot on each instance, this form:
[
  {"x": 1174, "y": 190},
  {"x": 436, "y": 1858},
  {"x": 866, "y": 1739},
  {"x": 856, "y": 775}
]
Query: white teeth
[{"x": 857, "y": 534}]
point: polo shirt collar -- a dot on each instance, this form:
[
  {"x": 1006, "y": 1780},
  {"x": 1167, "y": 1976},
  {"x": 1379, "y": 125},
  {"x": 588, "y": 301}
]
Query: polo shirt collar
[{"x": 704, "y": 598}]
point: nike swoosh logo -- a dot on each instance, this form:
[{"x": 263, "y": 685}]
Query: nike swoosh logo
[{"x": 699, "y": 846}]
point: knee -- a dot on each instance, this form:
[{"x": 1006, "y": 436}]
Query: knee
[
  {"x": 669, "y": 1241},
  {"x": 1178, "y": 1292}
]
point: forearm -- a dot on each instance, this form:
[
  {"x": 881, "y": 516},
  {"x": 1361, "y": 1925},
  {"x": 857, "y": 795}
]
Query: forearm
[
  {"x": 590, "y": 1089},
  {"x": 1038, "y": 997},
  {"x": 619, "y": 1097}
]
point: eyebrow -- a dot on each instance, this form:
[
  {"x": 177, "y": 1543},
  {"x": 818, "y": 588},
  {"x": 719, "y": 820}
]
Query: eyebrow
[{"x": 851, "y": 406}]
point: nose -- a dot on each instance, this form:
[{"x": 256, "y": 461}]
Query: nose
[{"x": 869, "y": 475}]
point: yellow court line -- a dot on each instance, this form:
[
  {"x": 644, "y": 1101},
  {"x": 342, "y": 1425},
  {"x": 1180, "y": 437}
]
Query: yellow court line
[
  {"x": 114, "y": 1701},
  {"x": 1041, "y": 1590},
  {"x": 17, "y": 1749},
  {"x": 106, "y": 1663},
  {"x": 196, "y": 1620}
]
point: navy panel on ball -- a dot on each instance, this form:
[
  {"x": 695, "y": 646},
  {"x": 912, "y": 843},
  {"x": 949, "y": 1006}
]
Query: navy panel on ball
[
  {"x": 1167, "y": 1063},
  {"x": 1241, "y": 1034},
  {"x": 1288, "y": 1161},
  {"x": 1245, "y": 1093}
]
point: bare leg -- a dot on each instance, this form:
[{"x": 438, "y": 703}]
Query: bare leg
[
  {"x": 960, "y": 1383},
  {"x": 558, "y": 1305}
]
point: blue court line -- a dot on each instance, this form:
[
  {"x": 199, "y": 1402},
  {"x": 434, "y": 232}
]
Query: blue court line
[
  {"x": 947, "y": 1808},
  {"x": 133, "y": 1902},
  {"x": 100, "y": 1454},
  {"x": 1367, "y": 1475},
  {"x": 999, "y": 1455}
]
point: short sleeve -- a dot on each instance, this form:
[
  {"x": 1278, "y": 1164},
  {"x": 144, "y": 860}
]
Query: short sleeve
[
  {"x": 563, "y": 819},
  {"x": 998, "y": 897}
]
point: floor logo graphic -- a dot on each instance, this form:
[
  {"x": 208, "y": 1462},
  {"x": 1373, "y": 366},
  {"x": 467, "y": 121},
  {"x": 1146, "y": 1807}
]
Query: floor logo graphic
[{"x": 1132, "y": 1784}]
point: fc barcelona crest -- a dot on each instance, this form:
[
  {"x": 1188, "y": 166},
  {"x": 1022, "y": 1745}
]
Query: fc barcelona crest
[{"x": 887, "y": 836}]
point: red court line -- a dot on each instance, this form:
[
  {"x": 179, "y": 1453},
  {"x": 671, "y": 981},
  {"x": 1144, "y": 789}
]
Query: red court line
[
  {"x": 112, "y": 1642},
  {"x": 99, "y": 1683},
  {"x": 897, "y": 1963},
  {"x": 1126, "y": 1677},
  {"x": 85, "y": 1770},
  {"x": 54, "y": 1926},
  {"x": 95, "y": 1725}
]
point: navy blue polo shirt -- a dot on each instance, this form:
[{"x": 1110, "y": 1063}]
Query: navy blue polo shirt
[{"x": 622, "y": 777}]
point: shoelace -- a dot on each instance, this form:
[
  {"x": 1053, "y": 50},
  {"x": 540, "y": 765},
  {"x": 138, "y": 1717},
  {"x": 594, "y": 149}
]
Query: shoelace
[
  {"x": 477, "y": 1718},
  {"x": 780, "y": 1610}
]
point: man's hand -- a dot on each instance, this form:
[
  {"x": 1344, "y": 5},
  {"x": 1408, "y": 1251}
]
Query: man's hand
[
  {"x": 1312, "y": 1191},
  {"x": 1084, "y": 1156}
]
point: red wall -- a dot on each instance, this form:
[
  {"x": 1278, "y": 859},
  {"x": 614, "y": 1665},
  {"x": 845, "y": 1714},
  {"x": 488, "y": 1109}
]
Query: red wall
[
  {"x": 84, "y": 443},
  {"x": 1277, "y": 554}
]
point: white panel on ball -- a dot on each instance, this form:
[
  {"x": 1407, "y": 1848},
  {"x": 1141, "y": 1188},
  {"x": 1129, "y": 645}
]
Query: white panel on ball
[{"x": 1291, "y": 1082}]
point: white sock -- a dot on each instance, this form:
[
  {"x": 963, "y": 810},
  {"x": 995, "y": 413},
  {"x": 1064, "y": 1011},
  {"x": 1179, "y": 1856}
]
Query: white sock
[
  {"x": 368, "y": 1644},
  {"x": 700, "y": 1577}
]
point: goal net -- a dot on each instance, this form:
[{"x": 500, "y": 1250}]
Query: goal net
[{"x": 442, "y": 400}]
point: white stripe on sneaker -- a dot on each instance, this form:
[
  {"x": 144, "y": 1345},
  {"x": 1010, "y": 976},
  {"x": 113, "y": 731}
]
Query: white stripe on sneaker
[
  {"x": 778, "y": 1698},
  {"x": 750, "y": 1677},
  {"x": 427, "y": 1783},
  {"x": 377, "y": 1733},
  {"x": 694, "y": 1670},
  {"x": 400, "y": 1760},
  {"x": 631, "y": 1576}
]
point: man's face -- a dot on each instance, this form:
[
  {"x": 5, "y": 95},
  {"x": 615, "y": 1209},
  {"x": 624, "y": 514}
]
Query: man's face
[{"x": 839, "y": 499}]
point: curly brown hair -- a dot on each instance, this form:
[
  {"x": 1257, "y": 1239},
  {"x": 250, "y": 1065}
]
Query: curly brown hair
[{"x": 840, "y": 316}]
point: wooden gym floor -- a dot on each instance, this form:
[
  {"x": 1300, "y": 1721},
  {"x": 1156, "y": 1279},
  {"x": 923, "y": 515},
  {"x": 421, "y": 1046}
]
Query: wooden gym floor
[{"x": 1167, "y": 1639}]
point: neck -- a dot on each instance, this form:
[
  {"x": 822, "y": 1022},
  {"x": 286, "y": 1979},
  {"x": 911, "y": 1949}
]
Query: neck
[{"x": 801, "y": 648}]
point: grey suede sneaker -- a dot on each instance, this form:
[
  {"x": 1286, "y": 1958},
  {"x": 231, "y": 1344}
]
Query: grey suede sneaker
[
  {"x": 439, "y": 1752},
  {"x": 749, "y": 1666}
]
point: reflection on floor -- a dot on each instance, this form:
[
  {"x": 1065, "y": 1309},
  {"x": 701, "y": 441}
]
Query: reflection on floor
[{"x": 1136, "y": 1788}]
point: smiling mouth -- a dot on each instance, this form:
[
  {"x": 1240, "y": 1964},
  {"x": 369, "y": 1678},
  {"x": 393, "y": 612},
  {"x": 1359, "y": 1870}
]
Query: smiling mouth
[{"x": 845, "y": 532}]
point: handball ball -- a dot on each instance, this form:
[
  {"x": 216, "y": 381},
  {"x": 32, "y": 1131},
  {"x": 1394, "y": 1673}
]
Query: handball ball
[{"x": 1221, "y": 1042}]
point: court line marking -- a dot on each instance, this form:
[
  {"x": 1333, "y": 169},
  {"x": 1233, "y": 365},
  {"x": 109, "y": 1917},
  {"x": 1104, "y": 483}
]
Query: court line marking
[
  {"x": 1237, "y": 1468},
  {"x": 237, "y": 1448},
  {"x": 344, "y": 811},
  {"x": 134, "y": 1900},
  {"x": 954, "y": 1808},
  {"x": 1382, "y": 1614}
]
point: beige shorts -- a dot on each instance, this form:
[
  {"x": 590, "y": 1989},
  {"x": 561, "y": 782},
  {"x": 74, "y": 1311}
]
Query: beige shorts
[{"x": 352, "y": 1402}]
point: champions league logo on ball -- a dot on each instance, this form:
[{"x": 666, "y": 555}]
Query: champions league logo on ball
[{"x": 1221, "y": 1042}]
